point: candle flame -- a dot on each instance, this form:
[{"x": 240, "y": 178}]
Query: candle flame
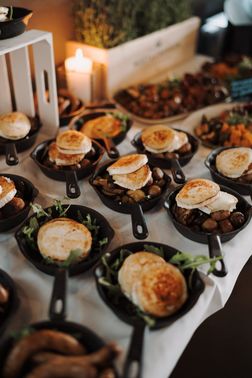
[{"x": 79, "y": 54}]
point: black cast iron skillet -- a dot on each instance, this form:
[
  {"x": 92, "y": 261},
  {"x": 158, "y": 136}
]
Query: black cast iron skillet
[
  {"x": 213, "y": 240},
  {"x": 29, "y": 192},
  {"x": 70, "y": 176},
  {"x": 11, "y": 147},
  {"x": 126, "y": 311},
  {"x": 173, "y": 164},
  {"x": 32, "y": 253},
  {"x": 108, "y": 143},
  {"x": 17, "y": 25},
  {"x": 240, "y": 187},
  {"x": 13, "y": 301},
  {"x": 57, "y": 316},
  {"x": 139, "y": 227}
]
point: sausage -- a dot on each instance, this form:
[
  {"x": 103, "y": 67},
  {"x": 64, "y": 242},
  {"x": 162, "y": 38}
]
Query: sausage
[
  {"x": 99, "y": 358},
  {"x": 55, "y": 369},
  {"x": 157, "y": 173},
  {"x": 226, "y": 226},
  {"x": 220, "y": 215},
  {"x": 13, "y": 207},
  {"x": 4, "y": 295},
  {"x": 37, "y": 341},
  {"x": 237, "y": 219},
  {"x": 154, "y": 191},
  {"x": 209, "y": 225},
  {"x": 137, "y": 195}
]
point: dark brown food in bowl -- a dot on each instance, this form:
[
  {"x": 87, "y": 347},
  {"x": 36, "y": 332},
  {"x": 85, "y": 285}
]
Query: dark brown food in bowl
[
  {"x": 121, "y": 195},
  {"x": 218, "y": 221},
  {"x": 91, "y": 157}
]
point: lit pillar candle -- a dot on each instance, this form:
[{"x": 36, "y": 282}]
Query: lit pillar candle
[{"x": 79, "y": 76}]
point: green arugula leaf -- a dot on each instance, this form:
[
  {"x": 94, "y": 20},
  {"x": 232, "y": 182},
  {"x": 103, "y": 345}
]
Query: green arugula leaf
[
  {"x": 39, "y": 211},
  {"x": 187, "y": 261},
  {"x": 18, "y": 335},
  {"x": 151, "y": 248},
  {"x": 72, "y": 259},
  {"x": 59, "y": 206},
  {"x": 124, "y": 118},
  {"x": 103, "y": 241}
]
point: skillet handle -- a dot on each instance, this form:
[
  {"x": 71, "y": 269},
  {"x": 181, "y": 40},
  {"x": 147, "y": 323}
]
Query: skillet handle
[
  {"x": 111, "y": 149},
  {"x": 214, "y": 246},
  {"x": 57, "y": 310},
  {"x": 133, "y": 364},
  {"x": 177, "y": 173},
  {"x": 72, "y": 186},
  {"x": 11, "y": 154},
  {"x": 139, "y": 227}
]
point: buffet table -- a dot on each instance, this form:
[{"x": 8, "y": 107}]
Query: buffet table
[{"x": 162, "y": 348}]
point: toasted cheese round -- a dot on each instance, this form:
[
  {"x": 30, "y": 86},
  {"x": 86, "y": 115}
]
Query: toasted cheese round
[
  {"x": 135, "y": 180},
  {"x": 58, "y": 237},
  {"x": 7, "y": 190},
  {"x": 73, "y": 142},
  {"x": 105, "y": 126},
  {"x": 161, "y": 138},
  {"x": 233, "y": 162},
  {"x": 197, "y": 193},
  {"x": 15, "y": 125},
  {"x": 55, "y": 156},
  {"x": 161, "y": 289},
  {"x": 224, "y": 201},
  {"x": 132, "y": 267},
  {"x": 127, "y": 164}
]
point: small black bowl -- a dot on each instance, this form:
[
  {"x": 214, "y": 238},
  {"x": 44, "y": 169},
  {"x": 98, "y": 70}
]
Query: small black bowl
[
  {"x": 57, "y": 321},
  {"x": 214, "y": 240},
  {"x": 110, "y": 143},
  {"x": 127, "y": 312},
  {"x": 173, "y": 164},
  {"x": 13, "y": 302},
  {"x": 240, "y": 187},
  {"x": 201, "y": 237},
  {"x": 136, "y": 210},
  {"x": 17, "y": 25},
  {"x": 70, "y": 176},
  {"x": 32, "y": 253},
  {"x": 29, "y": 192},
  {"x": 11, "y": 147},
  {"x": 124, "y": 308},
  {"x": 162, "y": 162}
]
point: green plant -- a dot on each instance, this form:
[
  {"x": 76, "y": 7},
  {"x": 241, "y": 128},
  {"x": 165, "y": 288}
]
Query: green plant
[{"x": 108, "y": 23}]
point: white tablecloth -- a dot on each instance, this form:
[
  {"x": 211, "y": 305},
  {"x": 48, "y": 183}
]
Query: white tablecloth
[{"x": 162, "y": 348}]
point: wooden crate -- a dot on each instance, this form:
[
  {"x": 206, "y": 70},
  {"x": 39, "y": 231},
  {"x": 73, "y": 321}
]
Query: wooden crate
[
  {"x": 16, "y": 49},
  {"x": 139, "y": 60}
]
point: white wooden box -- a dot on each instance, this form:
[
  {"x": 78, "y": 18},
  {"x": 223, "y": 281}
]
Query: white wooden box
[
  {"x": 141, "y": 59},
  {"x": 16, "y": 50}
]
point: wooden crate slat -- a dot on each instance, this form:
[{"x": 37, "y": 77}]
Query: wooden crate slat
[{"x": 22, "y": 82}]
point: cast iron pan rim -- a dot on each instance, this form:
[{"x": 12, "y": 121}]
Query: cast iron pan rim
[
  {"x": 30, "y": 185},
  {"x": 206, "y": 234},
  {"x": 31, "y": 134},
  {"x": 45, "y": 144},
  {"x": 190, "y": 155},
  {"x": 27, "y": 12},
  {"x": 40, "y": 264},
  {"x": 210, "y": 164},
  {"x": 116, "y": 139},
  {"x": 160, "y": 322},
  {"x": 13, "y": 304},
  {"x": 152, "y": 201}
]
